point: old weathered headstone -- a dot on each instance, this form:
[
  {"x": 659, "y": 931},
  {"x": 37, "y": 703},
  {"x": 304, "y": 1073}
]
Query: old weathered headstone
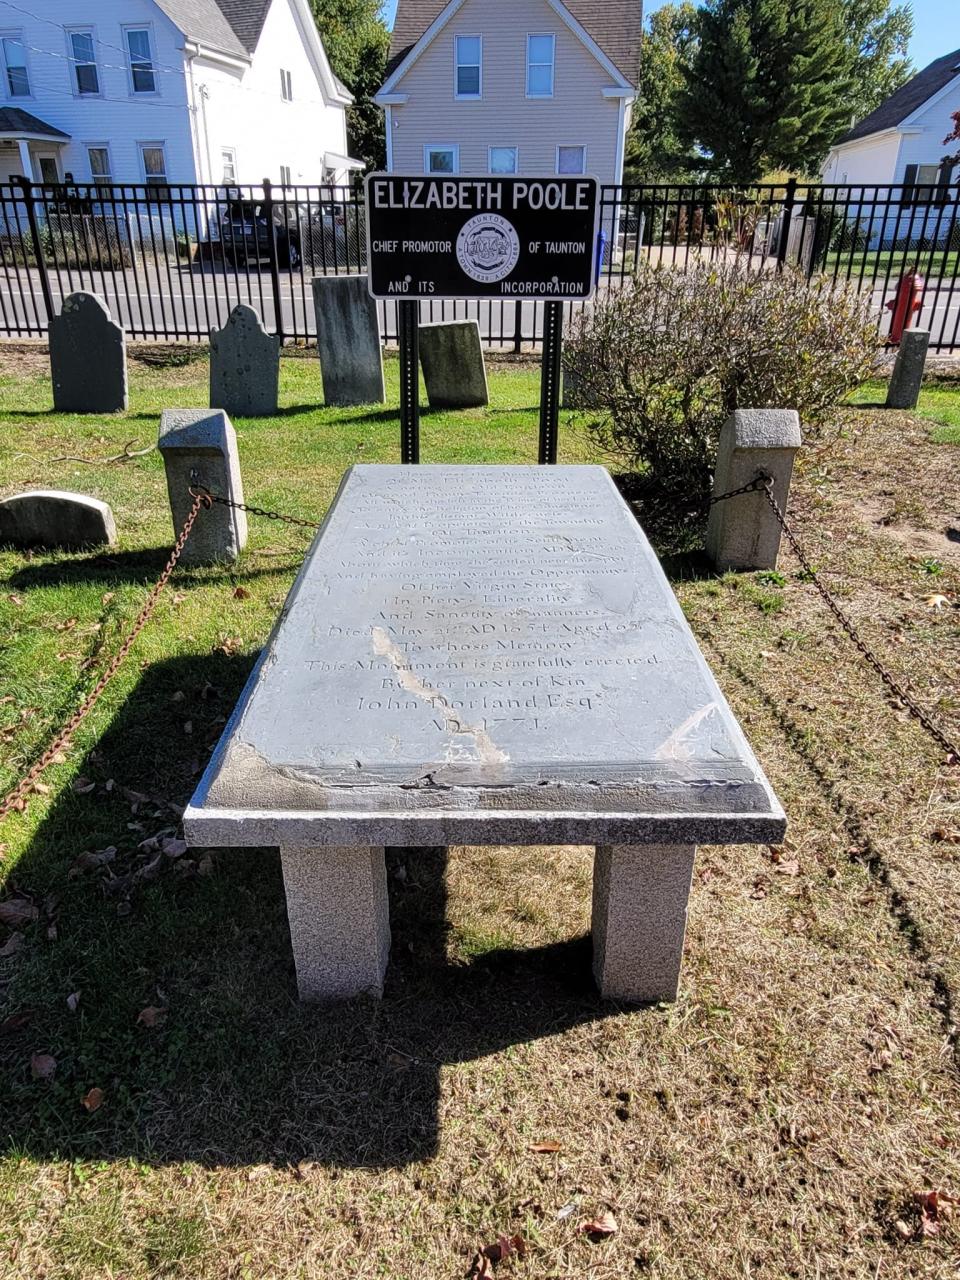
[
  {"x": 348, "y": 341},
  {"x": 56, "y": 518},
  {"x": 88, "y": 358},
  {"x": 453, "y": 371},
  {"x": 743, "y": 532},
  {"x": 907, "y": 377},
  {"x": 244, "y": 366},
  {"x": 199, "y": 448},
  {"x": 482, "y": 655}
]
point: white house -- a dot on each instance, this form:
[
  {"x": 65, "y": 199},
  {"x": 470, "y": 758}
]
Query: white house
[
  {"x": 511, "y": 86},
  {"x": 168, "y": 91},
  {"x": 902, "y": 140}
]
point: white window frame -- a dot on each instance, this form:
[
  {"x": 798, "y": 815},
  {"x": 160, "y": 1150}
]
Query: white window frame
[
  {"x": 151, "y": 41},
  {"x": 538, "y": 35},
  {"x": 99, "y": 179},
  {"x": 83, "y": 30},
  {"x": 13, "y": 34},
  {"x": 570, "y": 146},
  {"x": 286, "y": 85},
  {"x": 457, "y": 64},
  {"x": 151, "y": 180},
  {"x": 232, "y": 153},
  {"x": 441, "y": 146},
  {"x": 286, "y": 175},
  {"x": 504, "y": 147}
]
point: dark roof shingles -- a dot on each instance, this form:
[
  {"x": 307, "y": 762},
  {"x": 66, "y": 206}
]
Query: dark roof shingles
[
  {"x": 907, "y": 98},
  {"x": 14, "y": 120},
  {"x": 616, "y": 26},
  {"x": 233, "y": 26}
]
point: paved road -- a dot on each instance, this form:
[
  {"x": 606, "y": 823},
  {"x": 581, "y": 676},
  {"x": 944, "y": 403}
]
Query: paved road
[{"x": 182, "y": 303}]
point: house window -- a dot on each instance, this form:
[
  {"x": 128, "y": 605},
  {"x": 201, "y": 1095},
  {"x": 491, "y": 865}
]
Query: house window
[
  {"x": 928, "y": 175},
  {"x": 540, "y": 55},
  {"x": 571, "y": 159},
  {"x": 15, "y": 61},
  {"x": 469, "y": 63},
  {"x": 154, "y": 164},
  {"x": 86, "y": 79},
  {"x": 286, "y": 85},
  {"x": 100, "y": 167},
  {"x": 503, "y": 159},
  {"x": 49, "y": 170},
  {"x": 441, "y": 159},
  {"x": 143, "y": 78},
  {"x": 228, "y": 160},
  {"x": 285, "y": 179}
]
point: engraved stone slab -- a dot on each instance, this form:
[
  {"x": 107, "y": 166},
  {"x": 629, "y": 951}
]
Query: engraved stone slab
[
  {"x": 56, "y": 518},
  {"x": 453, "y": 371},
  {"x": 483, "y": 655},
  {"x": 199, "y": 447},
  {"x": 88, "y": 358},
  {"x": 348, "y": 341},
  {"x": 244, "y": 366}
]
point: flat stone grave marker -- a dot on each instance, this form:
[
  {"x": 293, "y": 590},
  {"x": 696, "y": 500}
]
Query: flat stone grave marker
[
  {"x": 482, "y": 655},
  {"x": 56, "y": 518},
  {"x": 348, "y": 341},
  {"x": 88, "y": 358},
  {"x": 244, "y": 366},
  {"x": 453, "y": 371}
]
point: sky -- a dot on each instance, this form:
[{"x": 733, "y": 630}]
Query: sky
[{"x": 936, "y": 27}]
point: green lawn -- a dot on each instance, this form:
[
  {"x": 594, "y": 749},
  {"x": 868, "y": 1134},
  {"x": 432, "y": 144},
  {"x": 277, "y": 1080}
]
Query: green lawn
[
  {"x": 933, "y": 264},
  {"x": 789, "y": 1116},
  {"x": 939, "y": 404}
]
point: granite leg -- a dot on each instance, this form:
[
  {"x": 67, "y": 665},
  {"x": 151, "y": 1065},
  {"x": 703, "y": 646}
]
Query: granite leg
[
  {"x": 639, "y": 918},
  {"x": 339, "y": 919}
]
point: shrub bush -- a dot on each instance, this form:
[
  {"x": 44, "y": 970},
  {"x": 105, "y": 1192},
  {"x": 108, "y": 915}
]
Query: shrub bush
[{"x": 664, "y": 359}]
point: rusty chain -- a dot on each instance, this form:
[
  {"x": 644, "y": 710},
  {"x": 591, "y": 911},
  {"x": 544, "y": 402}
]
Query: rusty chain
[
  {"x": 16, "y": 799},
  {"x": 764, "y": 484},
  {"x": 254, "y": 511}
]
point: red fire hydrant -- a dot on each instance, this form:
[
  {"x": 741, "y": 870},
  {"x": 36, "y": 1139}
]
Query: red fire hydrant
[{"x": 905, "y": 304}]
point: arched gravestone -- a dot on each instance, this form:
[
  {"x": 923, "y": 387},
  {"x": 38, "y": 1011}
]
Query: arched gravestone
[
  {"x": 56, "y": 518},
  {"x": 244, "y": 366},
  {"x": 88, "y": 358}
]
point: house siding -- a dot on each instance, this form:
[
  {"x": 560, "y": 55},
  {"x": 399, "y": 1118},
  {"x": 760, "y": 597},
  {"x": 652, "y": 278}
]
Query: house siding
[
  {"x": 923, "y": 139},
  {"x": 577, "y": 114},
  {"x": 870, "y": 161},
  {"x": 247, "y": 114},
  {"x": 118, "y": 119}
]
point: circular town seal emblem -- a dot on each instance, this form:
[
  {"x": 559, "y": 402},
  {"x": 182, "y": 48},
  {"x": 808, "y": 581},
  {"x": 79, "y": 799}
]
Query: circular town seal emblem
[{"x": 488, "y": 248}]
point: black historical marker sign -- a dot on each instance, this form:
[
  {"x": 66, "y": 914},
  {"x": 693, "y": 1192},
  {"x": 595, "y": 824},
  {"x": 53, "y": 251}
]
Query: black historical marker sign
[{"x": 446, "y": 237}]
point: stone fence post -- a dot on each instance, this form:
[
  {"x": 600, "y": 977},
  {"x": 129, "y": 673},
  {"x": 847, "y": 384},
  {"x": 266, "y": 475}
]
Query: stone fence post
[
  {"x": 743, "y": 532},
  {"x": 903, "y": 391}
]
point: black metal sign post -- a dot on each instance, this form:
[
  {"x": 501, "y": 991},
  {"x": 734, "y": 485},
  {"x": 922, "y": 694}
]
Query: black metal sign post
[
  {"x": 516, "y": 239},
  {"x": 408, "y": 326}
]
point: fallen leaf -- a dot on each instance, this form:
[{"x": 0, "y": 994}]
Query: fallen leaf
[
  {"x": 944, "y": 835},
  {"x": 92, "y": 1100},
  {"x": 90, "y": 860},
  {"x": 788, "y": 867},
  {"x": 107, "y": 597},
  {"x": 241, "y": 593},
  {"x": 178, "y": 597},
  {"x": 937, "y": 602},
  {"x": 17, "y": 600},
  {"x": 17, "y": 910},
  {"x": 491, "y": 1254},
  {"x": 567, "y": 1209},
  {"x": 205, "y": 866},
  {"x": 41, "y": 788},
  {"x": 43, "y": 1066},
  {"x": 173, "y": 847},
  {"x": 73, "y": 1001},
  {"x": 151, "y": 1016},
  {"x": 543, "y": 1148},
  {"x": 83, "y": 786},
  {"x": 601, "y": 1227},
  {"x": 12, "y": 945},
  {"x": 935, "y": 1208}
]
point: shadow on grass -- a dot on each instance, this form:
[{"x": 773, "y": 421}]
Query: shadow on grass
[
  {"x": 134, "y": 566},
  {"x": 674, "y": 519},
  {"x": 236, "y": 1072}
]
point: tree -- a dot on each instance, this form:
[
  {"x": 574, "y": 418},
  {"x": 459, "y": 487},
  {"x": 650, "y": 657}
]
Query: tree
[
  {"x": 877, "y": 38},
  {"x": 953, "y": 136},
  {"x": 654, "y": 152},
  {"x": 767, "y": 87},
  {"x": 356, "y": 41}
]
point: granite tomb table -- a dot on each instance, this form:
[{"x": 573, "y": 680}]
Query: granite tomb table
[{"x": 482, "y": 655}]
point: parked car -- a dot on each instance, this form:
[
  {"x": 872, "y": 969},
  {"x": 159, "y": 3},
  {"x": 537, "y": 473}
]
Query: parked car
[{"x": 245, "y": 233}]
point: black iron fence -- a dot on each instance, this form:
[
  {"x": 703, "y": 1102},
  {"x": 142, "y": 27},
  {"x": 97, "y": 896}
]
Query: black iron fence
[{"x": 172, "y": 261}]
